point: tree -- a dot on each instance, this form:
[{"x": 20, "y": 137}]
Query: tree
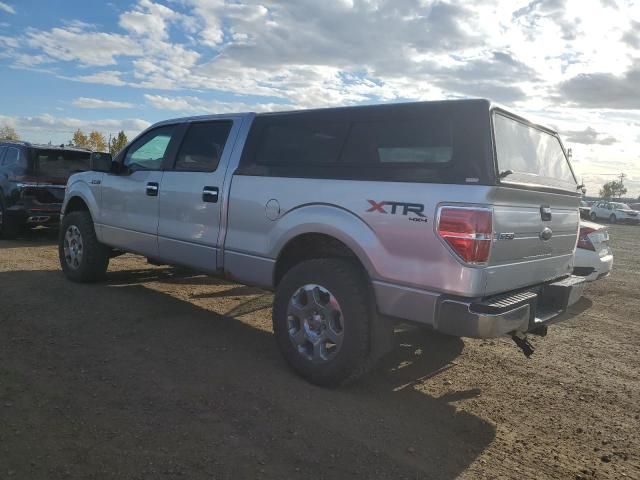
[
  {"x": 97, "y": 142},
  {"x": 7, "y": 132},
  {"x": 613, "y": 189},
  {"x": 79, "y": 139},
  {"x": 118, "y": 143}
]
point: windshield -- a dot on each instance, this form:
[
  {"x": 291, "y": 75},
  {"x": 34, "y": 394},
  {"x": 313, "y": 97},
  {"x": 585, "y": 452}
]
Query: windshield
[
  {"x": 59, "y": 165},
  {"x": 528, "y": 155}
]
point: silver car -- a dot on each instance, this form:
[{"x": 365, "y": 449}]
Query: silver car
[{"x": 456, "y": 215}]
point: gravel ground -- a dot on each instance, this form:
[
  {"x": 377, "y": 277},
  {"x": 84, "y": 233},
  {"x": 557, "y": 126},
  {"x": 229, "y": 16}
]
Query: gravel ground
[{"x": 162, "y": 373}]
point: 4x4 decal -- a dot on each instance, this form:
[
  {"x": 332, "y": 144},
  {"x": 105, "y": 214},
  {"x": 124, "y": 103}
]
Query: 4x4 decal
[{"x": 401, "y": 208}]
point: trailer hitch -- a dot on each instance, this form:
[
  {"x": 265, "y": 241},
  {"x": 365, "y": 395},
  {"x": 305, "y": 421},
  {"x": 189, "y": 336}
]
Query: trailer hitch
[{"x": 523, "y": 343}]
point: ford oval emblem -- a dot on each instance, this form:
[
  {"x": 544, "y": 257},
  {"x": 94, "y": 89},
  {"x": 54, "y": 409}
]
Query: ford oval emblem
[{"x": 546, "y": 234}]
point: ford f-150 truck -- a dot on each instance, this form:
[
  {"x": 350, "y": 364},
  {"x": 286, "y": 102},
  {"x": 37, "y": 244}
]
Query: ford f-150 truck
[{"x": 456, "y": 215}]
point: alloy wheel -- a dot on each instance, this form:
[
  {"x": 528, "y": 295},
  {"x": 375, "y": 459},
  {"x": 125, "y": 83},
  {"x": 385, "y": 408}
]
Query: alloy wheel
[
  {"x": 73, "y": 247},
  {"x": 315, "y": 323}
]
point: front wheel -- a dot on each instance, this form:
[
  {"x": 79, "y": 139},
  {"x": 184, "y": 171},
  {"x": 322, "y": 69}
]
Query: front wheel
[
  {"x": 321, "y": 320},
  {"x": 593, "y": 216},
  {"x": 613, "y": 219},
  {"x": 82, "y": 257}
]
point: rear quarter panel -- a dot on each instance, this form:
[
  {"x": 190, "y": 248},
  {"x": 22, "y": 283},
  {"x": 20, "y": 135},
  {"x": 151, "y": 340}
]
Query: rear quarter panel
[{"x": 393, "y": 247}]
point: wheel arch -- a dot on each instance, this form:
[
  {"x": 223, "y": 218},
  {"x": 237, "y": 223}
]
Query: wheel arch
[
  {"x": 322, "y": 231},
  {"x": 79, "y": 198}
]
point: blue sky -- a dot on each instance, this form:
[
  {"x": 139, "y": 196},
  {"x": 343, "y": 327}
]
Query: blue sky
[{"x": 573, "y": 64}]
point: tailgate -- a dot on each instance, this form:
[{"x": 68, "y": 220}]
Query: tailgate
[
  {"x": 528, "y": 249},
  {"x": 45, "y": 193}
]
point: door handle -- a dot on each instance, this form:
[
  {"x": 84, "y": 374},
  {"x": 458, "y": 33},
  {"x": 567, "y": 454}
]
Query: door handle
[
  {"x": 210, "y": 194},
  {"x": 152, "y": 189}
]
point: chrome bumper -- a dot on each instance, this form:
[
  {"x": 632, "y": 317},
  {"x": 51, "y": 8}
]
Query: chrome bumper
[{"x": 523, "y": 311}]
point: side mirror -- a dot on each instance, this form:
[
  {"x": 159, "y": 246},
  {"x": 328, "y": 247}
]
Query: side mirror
[{"x": 100, "y": 162}]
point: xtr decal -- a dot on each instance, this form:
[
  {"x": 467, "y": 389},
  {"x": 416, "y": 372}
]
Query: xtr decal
[{"x": 401, "y": 208}]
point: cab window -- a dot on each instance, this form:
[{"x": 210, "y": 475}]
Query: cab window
[{"x": 148, "y": 152}]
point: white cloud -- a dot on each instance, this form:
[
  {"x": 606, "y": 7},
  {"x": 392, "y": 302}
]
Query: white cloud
[
  {"x": 195, "y": 105},
  {"x": 104, "y": 77},
  {"x": 85, "y": 102},
  {"x": 86, "y": 47},
  {"x": 9, "y": 42},
  {"x": 148, "y": 19},
  {"x": 5, "y": 7}
]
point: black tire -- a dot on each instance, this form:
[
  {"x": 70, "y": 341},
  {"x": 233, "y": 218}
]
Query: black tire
[
  {"x": 350, "y": 288},
  {"x": 613, "y": 219},
  {"x": 593, "y": 216},
  {"x": 95, "y": 256},
  {"x": 8, "y": 228}
]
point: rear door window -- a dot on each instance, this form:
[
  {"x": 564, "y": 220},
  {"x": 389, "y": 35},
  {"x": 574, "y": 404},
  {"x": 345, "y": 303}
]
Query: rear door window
[{"x": 202, "y": 146}]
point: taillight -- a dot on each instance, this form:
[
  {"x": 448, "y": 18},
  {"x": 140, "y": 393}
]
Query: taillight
[
  {"x": 583, "y": 238},
  {"x": 467, "y": 231}
]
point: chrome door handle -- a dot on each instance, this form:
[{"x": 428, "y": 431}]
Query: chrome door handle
[
  {"x": 210, "y": 194},
  {"x": 152, "y": 189}
]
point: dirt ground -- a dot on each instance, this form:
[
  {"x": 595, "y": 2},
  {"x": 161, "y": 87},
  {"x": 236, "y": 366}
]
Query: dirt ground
[{"x": 160, "y": 373}]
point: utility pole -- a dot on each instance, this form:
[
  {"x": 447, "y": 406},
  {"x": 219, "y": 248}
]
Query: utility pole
[{"x": 622, "y": 177}]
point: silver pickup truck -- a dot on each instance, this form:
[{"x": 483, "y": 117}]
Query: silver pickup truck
[{"x": 456, "y": 215}]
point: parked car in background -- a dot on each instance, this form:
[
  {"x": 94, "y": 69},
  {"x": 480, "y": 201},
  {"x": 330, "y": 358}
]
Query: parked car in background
[
  {"x": 594, "y": 258},
  {"x": 635, "y": 206},
  {"x": 32, "y": 183},
  {"x": 585, "y": 209},
  {"x": 614, "y": 212}
]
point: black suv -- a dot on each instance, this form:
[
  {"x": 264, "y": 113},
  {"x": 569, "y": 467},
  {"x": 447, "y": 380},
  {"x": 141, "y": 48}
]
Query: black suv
[{"x": 32, "y": 183}]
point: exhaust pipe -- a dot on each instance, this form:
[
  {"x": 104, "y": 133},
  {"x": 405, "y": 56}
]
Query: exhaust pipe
[{"x": 38, "y": 219}]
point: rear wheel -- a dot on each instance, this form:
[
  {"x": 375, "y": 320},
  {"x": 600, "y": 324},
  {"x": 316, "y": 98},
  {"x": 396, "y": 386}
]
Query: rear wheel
[
  {"x": 593, "y": 216},
  {"x": 613, "y": 218},
  {"x": 321, "y": 320},
  {"x": 82, "y": 257}
]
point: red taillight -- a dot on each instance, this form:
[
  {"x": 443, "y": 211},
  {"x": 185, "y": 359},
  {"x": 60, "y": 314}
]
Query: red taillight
[
  {"x": 467, "y": 231},
  {"x": 583, "y": 238}
]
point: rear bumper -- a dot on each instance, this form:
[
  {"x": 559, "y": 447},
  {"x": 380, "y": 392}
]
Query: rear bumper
[
  {"x": 522, "y": 311},
  {"x": 592, "y": 266},
  {"x": 34, "y": 216}
]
